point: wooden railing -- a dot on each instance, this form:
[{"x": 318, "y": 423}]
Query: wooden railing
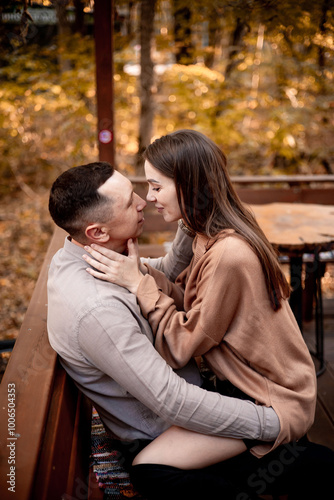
[
  {"x": 254, "y": 190},
  {"x": 45, "y": 420}
]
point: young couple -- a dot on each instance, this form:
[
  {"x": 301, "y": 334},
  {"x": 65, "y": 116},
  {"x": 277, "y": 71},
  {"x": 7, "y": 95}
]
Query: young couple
[{"x": 229, "y": 306}]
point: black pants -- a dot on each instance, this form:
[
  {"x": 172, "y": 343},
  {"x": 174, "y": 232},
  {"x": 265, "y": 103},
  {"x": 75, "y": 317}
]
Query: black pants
[{"x": 302, "y": 470}]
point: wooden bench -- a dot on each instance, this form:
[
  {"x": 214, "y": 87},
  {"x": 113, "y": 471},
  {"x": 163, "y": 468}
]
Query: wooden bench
[
  {"x": 49, "y": 426},
  {"x": 45, "y": 420}
]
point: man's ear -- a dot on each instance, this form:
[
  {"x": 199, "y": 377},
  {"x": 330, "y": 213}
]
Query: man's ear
[{"x": 97, "y": 234}]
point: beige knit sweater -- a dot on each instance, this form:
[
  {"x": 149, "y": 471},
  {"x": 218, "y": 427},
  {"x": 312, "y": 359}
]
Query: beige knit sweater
[{"x": 219, "y": 308}]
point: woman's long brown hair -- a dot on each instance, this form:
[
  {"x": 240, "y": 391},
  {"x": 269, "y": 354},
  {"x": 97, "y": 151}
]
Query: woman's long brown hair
[{"x": 208, "y": 201}]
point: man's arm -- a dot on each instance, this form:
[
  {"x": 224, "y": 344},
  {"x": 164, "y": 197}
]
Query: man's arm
[
  {"x": 122, "y": 351},
  {"x": 177, "y": 258}
]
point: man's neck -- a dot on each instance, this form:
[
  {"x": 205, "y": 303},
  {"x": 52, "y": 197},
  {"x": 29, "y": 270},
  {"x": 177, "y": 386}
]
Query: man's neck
[
  {"x": 118, "y": 247},
  {"x": 72, "y": 240}
]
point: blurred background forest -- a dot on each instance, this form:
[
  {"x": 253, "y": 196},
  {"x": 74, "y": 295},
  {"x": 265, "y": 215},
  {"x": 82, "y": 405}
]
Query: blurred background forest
[{"x": 254, "y": 75}]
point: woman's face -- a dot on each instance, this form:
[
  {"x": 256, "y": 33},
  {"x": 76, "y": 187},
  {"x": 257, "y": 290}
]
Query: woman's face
[{"x": 162, "y": 193}]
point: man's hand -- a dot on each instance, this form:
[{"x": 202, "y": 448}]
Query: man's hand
[{"x": 114, "y": 267}]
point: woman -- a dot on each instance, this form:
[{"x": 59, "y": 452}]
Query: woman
[{"x": 230, "y": 305}]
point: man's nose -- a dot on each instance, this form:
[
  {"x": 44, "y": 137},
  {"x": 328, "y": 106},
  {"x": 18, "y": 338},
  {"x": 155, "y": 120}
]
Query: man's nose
[{"x": 141, "y": 204}]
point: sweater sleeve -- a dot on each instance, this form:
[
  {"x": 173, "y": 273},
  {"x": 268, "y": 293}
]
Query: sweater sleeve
[
  {"x": 177, "y": 259},
  {"x": 180, "y": 335}
]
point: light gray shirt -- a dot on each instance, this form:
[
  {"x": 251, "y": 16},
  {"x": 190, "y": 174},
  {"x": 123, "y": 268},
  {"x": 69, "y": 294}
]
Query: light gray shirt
[{"x": 106, "y": 346}]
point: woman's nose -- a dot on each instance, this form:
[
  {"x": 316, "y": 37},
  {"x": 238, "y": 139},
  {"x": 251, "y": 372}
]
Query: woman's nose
[{"x": 150, "y": 196}]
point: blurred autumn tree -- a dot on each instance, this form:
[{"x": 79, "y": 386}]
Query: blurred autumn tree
[
  {"x": 262, "y": 86},
  {"x": 254, "y": 75}
]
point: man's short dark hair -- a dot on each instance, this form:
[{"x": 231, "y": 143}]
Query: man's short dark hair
[{"x": 74, "y": 195}]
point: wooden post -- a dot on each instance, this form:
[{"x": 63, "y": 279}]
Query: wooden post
[{"x": 103, "y": 28}]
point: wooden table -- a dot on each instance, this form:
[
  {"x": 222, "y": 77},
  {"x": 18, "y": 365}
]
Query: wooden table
[{"x": 296, "y": 229}]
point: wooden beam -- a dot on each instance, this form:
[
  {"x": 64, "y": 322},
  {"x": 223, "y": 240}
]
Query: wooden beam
[
  {"x": 104, "y": 23},
  {"x": 258, "y": 191},
  {"x": 290, "y": 180}
]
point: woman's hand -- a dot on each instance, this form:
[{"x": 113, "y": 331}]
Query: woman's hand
[{"x": 114, "y": 267}]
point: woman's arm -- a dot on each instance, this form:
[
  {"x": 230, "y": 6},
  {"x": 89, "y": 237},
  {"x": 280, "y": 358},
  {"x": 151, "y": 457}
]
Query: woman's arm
[
  {"x": 210, "y": 306},
  {"x": 177, "y": 259},
  {"x": 186, "y": 449}
]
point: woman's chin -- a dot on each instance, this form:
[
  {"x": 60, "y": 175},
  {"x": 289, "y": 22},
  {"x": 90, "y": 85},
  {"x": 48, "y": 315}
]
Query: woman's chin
[{"x": 169, "y": 218}]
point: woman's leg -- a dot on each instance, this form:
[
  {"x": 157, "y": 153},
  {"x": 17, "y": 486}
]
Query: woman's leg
[{"x": 186, "y": 449}]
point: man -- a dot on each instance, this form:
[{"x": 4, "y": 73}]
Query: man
[{"x": 105, "y": 344}]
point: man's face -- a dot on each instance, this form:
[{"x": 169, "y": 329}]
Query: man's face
[{"x": 127, "y": 211}]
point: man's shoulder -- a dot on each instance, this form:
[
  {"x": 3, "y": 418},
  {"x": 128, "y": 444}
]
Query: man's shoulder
[
  {"x": 78, "y": 306},
  {"x": 69, "y": 282}
]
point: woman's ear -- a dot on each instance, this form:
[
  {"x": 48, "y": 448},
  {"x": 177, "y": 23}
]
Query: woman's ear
[{"x": 97, "y": 234}]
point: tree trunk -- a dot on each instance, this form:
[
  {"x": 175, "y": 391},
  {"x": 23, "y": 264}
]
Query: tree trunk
[
  {"x": 182, "y": 32},
  {"x": 146, "y": 77},
  {"x": 321, "y": 49},
  {"x": 79, "y": 25},
  {"x": 241, "y": 29},
  {"x": 129, "y": 27},
  {"x": 252, "y": 103},
  {"x": 64, "y": 32},
  {"x": 214, "y": 32}
]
